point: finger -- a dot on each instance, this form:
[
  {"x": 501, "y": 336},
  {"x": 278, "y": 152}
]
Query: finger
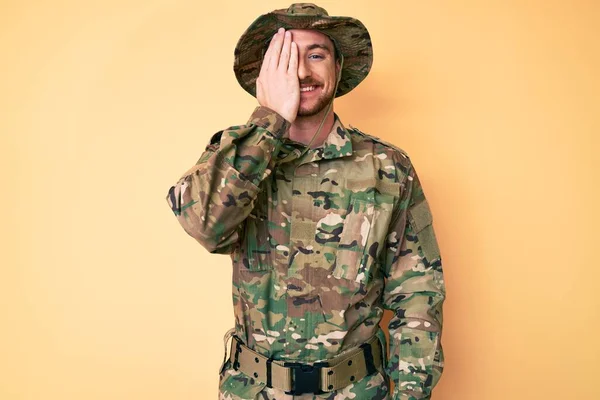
[
  {"x": 276, "y": 50},
  {"x": 268, "y": 54},
  {"x": 258, "y": 90},
  {"x": 284, "y": 59},
  {"x": 266, "y": 60},
  {"x": 293, "y": 65}
]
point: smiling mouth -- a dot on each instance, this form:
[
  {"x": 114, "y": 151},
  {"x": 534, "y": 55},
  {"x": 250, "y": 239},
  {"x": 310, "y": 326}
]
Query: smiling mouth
[{"x": 308, "y": 89}]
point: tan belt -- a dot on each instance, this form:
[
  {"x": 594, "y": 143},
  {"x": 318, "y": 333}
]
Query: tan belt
[{"x": 298, "y": 378}]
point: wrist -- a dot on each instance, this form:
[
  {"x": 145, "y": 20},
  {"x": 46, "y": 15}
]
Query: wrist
[
  {"x": 289, "y": 117},
  {"x": 270, "y": 120}
]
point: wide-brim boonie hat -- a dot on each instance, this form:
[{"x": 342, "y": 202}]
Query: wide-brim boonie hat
[{"x": 349, "y": 36}]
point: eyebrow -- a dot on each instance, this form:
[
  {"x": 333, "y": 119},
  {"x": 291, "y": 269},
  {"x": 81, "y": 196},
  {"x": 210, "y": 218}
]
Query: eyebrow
[{"x": 318, "y": 46}]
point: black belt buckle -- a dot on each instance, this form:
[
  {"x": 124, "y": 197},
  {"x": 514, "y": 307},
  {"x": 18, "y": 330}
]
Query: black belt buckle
[{"x": 305, "y": 378}]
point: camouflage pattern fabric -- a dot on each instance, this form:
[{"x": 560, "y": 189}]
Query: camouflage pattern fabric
[
  {"x": 349, "y": 36},
  {"x": 320, "y": 245}
]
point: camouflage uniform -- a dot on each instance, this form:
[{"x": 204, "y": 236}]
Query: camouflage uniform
[{"x": 320, "y": 246}]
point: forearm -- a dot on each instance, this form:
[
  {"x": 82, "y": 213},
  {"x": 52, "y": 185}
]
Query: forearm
[
  {"x": 252, "y": 149},
  {"x": 213, "y": 198},
  {"x": 416, "y": 355}
]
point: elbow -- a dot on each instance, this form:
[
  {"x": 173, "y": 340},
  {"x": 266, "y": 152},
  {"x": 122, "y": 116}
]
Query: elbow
[
  {"x": 173, "y": 200},
  {"x": 213, "y": 226},
  {"x": 192, "y": 219},
  {"x": 214, "y": 241}
]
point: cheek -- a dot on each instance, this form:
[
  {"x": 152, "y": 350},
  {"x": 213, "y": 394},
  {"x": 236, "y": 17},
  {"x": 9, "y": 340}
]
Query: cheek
[{"x": 332, "y": 72}]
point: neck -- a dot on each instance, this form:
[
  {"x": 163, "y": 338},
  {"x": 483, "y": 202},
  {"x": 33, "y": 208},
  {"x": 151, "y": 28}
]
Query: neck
[{"x": 304, "y": 128}]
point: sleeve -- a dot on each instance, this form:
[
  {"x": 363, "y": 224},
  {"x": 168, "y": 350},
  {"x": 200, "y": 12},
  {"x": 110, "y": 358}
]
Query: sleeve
[
  {"x": 214, "y": 197},
  {"x": 414, "y": 292}
]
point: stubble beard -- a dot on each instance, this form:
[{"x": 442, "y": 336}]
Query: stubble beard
[{"x": 319, "y": 106}]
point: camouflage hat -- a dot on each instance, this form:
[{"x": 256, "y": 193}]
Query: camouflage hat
[{"x": 349, "y": 36}]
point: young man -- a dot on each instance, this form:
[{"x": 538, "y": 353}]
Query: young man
[{"x": 326, "y": 226}]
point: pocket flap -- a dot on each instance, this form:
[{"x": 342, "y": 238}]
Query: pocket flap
[{"x": 420, "y": 215}]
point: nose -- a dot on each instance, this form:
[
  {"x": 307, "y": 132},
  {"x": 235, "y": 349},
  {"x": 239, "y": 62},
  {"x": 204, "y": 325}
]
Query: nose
[{"x": 303, "y": 69}]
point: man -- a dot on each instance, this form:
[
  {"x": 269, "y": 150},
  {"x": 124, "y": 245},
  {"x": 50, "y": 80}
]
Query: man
[{"x": 326, "y": 226}]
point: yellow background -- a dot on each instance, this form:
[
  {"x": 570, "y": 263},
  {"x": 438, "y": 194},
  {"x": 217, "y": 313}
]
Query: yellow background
[{"x": 104, "y": 104}]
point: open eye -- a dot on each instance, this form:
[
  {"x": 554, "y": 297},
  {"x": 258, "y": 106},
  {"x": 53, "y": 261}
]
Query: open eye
[{"x": 316, "y": 56}]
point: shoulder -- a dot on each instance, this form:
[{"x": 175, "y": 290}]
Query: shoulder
[
  {"x": 361, "y": 136},
  {"x": 215, "y": 142},
  {"x": 363, "y": 142}
]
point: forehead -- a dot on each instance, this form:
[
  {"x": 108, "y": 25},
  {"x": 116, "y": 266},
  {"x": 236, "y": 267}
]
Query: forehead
[{"x": 306, "y": 37}]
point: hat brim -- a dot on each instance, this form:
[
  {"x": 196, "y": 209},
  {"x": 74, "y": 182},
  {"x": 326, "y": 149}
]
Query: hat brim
[{"x": 350, "y": 36}]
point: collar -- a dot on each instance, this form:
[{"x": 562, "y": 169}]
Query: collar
[{"x": 336, "y": 145}]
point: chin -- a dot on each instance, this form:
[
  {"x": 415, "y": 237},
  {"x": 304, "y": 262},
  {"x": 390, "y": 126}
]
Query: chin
[{"x": 314, "y": 110}]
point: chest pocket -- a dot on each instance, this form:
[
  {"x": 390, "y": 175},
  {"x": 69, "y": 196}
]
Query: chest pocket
[{"x": 364, "y": 231}]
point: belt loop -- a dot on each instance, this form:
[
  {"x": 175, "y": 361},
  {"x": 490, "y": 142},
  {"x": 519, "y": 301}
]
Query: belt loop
[{"x": 226, "y": 338}]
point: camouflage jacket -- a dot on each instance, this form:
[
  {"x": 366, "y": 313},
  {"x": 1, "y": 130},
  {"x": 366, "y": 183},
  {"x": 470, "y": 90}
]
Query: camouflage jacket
[{"x": 320, "y": 246}]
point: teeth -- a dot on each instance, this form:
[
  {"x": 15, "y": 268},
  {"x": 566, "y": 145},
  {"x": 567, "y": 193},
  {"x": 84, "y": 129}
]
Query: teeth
[{"x": 307, "y": 89}]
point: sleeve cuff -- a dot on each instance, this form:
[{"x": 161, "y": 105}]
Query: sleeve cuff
[{"x": 270, "y": 120}]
